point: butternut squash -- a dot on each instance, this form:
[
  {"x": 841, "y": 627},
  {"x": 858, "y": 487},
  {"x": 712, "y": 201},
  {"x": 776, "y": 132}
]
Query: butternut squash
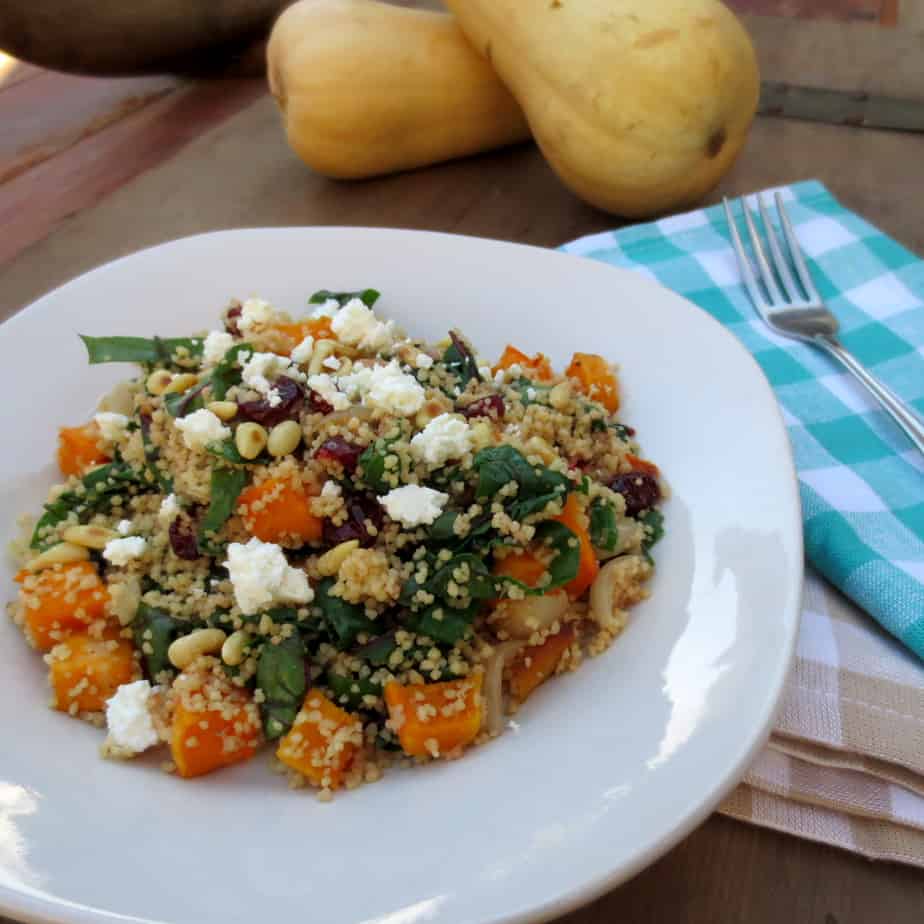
[
  {"x": 366, "y": 88},
  {"x": 639, "y": 106}
]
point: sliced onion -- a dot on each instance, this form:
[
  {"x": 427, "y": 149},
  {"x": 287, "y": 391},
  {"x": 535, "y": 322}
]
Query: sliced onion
[
  {"x": 494, "y": 684},
  {"x": 609, "y": 593},
  {"x": 521, "y": 619}
]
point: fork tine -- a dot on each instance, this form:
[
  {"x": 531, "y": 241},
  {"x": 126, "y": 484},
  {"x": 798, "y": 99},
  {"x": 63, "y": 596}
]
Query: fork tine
[
  {"x": 779, "y": 261},
  {"x": 796, "y": 251},
  {"x": 766, "y": 273},
  {"x": 744, "y": 264}
]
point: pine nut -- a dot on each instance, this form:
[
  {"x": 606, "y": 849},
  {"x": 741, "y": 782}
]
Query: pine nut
[
  {"x": 232, "y": 651},
  {"x": 329, "y": 563},
  {"x": 64, "y": 553},
  {"x": 180, "y": 383},
  {"x": 284, "y": 438},
  {"x": 91, "y": 537},
  {"x": 158, "y": 381},
  {"x": 250, "y": 439},
  {"x": 183, "y": 651},
  {"x": 223, "y": 410},
  {"x": 560, "y": 396}
]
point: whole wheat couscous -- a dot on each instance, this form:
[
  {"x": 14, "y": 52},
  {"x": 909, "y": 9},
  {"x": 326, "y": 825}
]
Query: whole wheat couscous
[{"x": 323, "y": 538}]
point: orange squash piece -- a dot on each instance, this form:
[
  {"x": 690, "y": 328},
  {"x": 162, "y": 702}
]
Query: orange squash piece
[
  {"x": 279, "y": 510},
  {"x": 61, "y": 600},
  {"x": 643, "y": 465},
  {"x": 291, "y": 335},
  {"x": 596, "y": 379},
  {"x": 213, "y": 727},
  {"x": 521, "y": 566},
  {"x": 537, "y": 664},
  {"x": 323, "y": 743},
  {"x": 79, "y": 448},
  {"x": 574, "y": 518},
  {"x": 435, "y": 719},
  {"x": 538, "y": 365},
  {"x": 85, "y": 672}
]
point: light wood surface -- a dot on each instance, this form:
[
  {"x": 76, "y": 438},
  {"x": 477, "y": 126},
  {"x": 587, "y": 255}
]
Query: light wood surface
[{"x": 153, "y": 160}]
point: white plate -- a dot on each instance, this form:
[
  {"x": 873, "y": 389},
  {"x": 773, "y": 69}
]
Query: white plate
[{"x": 607, "y": 768}]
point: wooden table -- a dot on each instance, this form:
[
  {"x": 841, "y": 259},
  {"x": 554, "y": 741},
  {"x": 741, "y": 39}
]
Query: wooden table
[{"x": 92, "y": 170}]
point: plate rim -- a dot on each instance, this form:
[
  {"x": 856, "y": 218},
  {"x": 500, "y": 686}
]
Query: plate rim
[{"x": 20, "y": 905}]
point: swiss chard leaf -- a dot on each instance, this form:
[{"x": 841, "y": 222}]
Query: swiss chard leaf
[
  {"x": 564, "y": 566},
  {"x": 442, "y": 624},
  {"x": 477, "y": 581},
  {"x": 349, "y": 689},
  {"x": 99, "y": 487},
  {"x": 226, "y": 486},
  {"x": 345, "y": 620},
  {"x": 154, "y": 351},
  {"x": 183, "y": 403},
  {"x": 154, "y": 630},
  {"x": 536, "y": 487},
  {"x": 225, "y": 449},
  {"x": 281, "y": 678},
  {"x": 373, "y": 464},
  {"x": 604, "y": 532},
  {"x": 367, "y": 296},
  {"x": 227, "y": 372},
  {"x": 378, "y": 650},
  {"x": 460, "y": 360}
]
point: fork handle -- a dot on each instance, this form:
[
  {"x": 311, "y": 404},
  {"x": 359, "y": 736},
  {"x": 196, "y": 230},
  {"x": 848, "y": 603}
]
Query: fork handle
[{"x": 906, "y": 417}]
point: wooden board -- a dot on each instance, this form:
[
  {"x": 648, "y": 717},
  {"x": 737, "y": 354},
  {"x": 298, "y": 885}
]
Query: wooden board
[{"x": 880, "y": 12}]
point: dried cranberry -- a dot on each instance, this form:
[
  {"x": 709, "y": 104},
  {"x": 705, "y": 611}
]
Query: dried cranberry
[
  {"x": 183, "y": 538},
  {"x": 640, "y": 490},
  {"x": 231, "y": 321},
  {"x": 363, "y": 510},
  {"x": 490, "y": 406},
  {"x": 262, "y": 412},
  {"x": 337, "y": 449},
  {"x": 317, "y": 404}
]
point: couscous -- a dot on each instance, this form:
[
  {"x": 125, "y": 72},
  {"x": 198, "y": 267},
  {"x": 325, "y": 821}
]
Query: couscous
[{"x": 321, "y": 537}]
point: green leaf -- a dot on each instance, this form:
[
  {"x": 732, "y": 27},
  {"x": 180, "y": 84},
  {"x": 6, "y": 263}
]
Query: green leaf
[
  {"x": 154, "y": 351},
  {"x": 654, "y": 528},
  {"x": 154, "y": 630},
  {"x": 226, "y": 450},
  {"x": 537, "y": 487},
  {"x": 99, "y": 487},
  {"x": 531, "y": 392},
  {"x": 604, "y": 532},
  {"x": 367, "y": 296},
  {"x": 151, "y": 456},
  {"x": 183, "y": 403},
  {"x": 349, "y": 689},
  {"x": 345, "y": 620},
  {"x": 443, "y": 624},
  {"x": 226, "y": 486},
  {"x": 281, "y": 678},
  {"x": 441, "y": 530},
  {"x": 372, "y": 465},
  {"x": 228, "y": 372},
  {"x": 564, "y": 566},
  {"x": 479, "y": 585},
  {"x": 460, "y": 360},
  {"x": 378, "y": 650}
]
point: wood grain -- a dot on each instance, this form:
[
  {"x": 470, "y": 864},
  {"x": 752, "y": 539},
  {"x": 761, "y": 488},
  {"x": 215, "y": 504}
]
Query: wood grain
[{"x": 882, "y": 12}]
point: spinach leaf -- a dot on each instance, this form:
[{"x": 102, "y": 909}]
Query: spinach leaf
[
  {"x": 367, "y": 296},
  {"x": 225, "y": 449},
  {"x": 151, "y": 455},
  {"x": 604, "y": 533},
  {"x": 654, "y": 529},
  {"x": 598, "y": 424},
  {"x": 349, "y": 689},
  {"x": 441, "y": 623},
  {"x": 374, "y": 468},
  {"x": 99, "y": 487},
  {"x": 499, "y": 465},
  {"x": 378, "y": 650},
  {"x": 531, "y": 392},
  {"x": 479, "y": 585},
  {"x": 564, "y": 566},
  {"x": 281, "y": 677},
  {"x": 183, "y": 403},
  {"x": 226, "y": 486},
  {"x": 155, "y": 351},
  {"x": 345, "y": 620},
  {"x": 460, "y": 360},
  {"x": 227, "y": 371},
  {"x": 154, "y": 630}
]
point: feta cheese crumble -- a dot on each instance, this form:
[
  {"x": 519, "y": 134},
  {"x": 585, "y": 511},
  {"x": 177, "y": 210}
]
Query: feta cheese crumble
[
  {"x": 302, "y": 353},
  {"x": 331, "y": 489},
  {"x": 445, "y": 437},
  {"x": 124, "y": 527},
  {"x": 128, "y": 718},
  {"x": 326, "y": 309},
  {"x": 393, "y": 390},
  {"x": 325, "y": 386},
  {"x": 169, "y": 508},
  {"x": 111, "y": 425},
  {"x": 356, "y": 325},
  {"x": 201, "y": 428},
  {"x": 412, "y": 505},
  {"x": 423, "y": 361},
  {"x": 261, "y": 576},
  {"x": 254, "y": 311},
  {"x": 331, "y": 363},
  {"x": 120, "y": 552},
  {"x": 216, "y": 344},
  {"x": 262, "y": 369}
]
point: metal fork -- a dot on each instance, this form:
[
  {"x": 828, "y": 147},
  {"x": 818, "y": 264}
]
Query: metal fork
[{"x": 800, "y": 312}]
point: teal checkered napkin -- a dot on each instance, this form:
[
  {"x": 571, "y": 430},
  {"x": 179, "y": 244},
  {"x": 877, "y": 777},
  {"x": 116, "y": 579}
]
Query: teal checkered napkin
[{"x": 862, "y": 483}]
